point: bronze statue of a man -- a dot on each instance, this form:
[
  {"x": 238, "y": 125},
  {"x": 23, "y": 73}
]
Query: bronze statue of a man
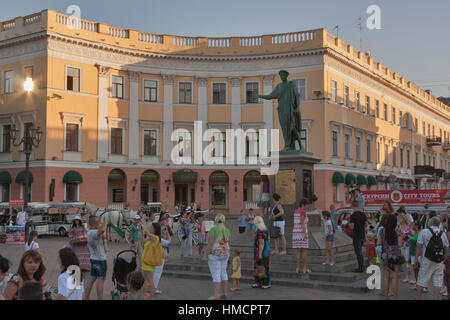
[{"x": 288, "y": 111}]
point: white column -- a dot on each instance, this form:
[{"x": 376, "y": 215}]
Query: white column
[
  {"x": 236, "y": 103},
  {"x": 168, "y": 117},
  {"x": 268, "y": 108},
  {"x": 202, "y": 107},
  {"x": 133, "y": 128},
  {"x": 102, "y": 139}
]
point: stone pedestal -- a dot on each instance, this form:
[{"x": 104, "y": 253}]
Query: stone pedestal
[{"x": 295, "y": 179}]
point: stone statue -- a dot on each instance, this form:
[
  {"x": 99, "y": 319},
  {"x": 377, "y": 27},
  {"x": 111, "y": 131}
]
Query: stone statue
[{"x": 288, "y": 111}]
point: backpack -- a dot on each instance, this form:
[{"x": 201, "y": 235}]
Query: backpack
[
  {"x": 435, "y": 248},
  {"x": 154, "y": 255}
]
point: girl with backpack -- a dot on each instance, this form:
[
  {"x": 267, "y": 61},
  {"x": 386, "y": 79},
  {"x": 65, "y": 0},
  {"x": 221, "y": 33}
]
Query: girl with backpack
[{"x": 152, "y": 255}]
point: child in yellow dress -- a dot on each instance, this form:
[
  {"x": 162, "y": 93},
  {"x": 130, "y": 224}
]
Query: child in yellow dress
[{"x": 236, "y": 270}]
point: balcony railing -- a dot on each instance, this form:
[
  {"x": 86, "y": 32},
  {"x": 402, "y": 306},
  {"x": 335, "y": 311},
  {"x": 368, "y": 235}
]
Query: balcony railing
[
  {"x": 434, "y": 141},
  {"x": 424, "y": 170},
  {"x": 446, "y": 146}
]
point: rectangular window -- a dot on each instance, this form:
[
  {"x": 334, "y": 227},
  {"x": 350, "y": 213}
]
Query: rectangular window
[
  {"x": 150, "y": 143},
  {"x": 117, "y": 87},
  {"x": 252, "y": 92},
  {"x": 400, "y": 118},
  {"x": 358, "y": 100},
  {"x": 369, "y": 150},
  {"x": 378, "y": 153},
  {"x": 71, "y": 192},
  {"x": 219, "y": 143},
  {"x": 185, "y": 144},
  {"x": 440, "y": 133},
  {"x": 335, "y": 143},
  {"x": 433, "y": 132},
  {"x": 424, "y": 160},
  {"x": 408, "y": 159},
  {"x": 9, "y": 82},
  {"x": 150, "y": 90},
  {"x": 417, "y": 159},
  {"x": 429, "y": 130},
  {"x": 386, "y": 112},
  {"x": 386, "y": 154},
  {"x": 185, "y": 92},
  {"x": 301, "y": 86},
  {"x": 219, "y": 93},
  {"x": 377, "y": 109},
  {"x": 116, "y": 140},
  {"x": 394, "y": 157},
  {"x": 347, "y": 96},
  {"x": 73, "y": 79},
  {"x": 368, "y": 105},
  {"x": 347, "y": 146},
  {"x": 6, "y": 138},
  {"x": 393, "y": 116},
  {"x": 72, "y": 137},
  {"x": 118, "y": 195},
  {"x": 304, "y": 139},
  {"x": 401, "y": 158},
  {"x": 416, "y": 125},
  {"x": 334, "y": 91},
  {"x": 358, "y": 149}
]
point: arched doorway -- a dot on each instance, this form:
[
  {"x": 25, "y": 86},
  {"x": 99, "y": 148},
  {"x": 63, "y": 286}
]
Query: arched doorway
[
  {"x": 219, "y": 182},
  {"x": 117, "y": 187},
  {"x": 252, "y": 187},
  {"x": 150, "y": 190}
]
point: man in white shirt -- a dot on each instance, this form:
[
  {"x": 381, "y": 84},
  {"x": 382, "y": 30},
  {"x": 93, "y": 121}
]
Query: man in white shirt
[
  {"x": 430, "y": 271},
  {"x": 21, "y": 218}
]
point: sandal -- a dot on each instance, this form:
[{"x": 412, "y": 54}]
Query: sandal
[
  {"x": 324, "y": 264},
  {"x": 234, "y": 289},
  {"x": 308, "y": 271},
  {"x": 213, "y": 298},
  {"x": 224, "y": 297}
]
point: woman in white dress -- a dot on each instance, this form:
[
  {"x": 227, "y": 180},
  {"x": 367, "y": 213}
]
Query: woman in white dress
[{"x": 300, "y": 236}]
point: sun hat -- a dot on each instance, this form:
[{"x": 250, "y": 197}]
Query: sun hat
[
  {"x": 137, "y": 217},
  {"x": 77, "y": 218}
]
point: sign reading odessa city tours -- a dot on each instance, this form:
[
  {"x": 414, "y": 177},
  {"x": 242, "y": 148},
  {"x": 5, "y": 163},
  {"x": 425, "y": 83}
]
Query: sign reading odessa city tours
[
  {"x": 16, "y": 203},
  {"x": 15, "y": 235},
  {"x": 406, "y": 196}
]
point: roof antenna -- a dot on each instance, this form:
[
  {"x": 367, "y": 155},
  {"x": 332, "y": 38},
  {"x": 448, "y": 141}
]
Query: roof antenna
[{"x": 337, "y": 31}]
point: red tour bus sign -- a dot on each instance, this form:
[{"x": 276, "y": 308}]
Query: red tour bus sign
[
  {"x": 406, "y": 196},
  {"x": 16, "y": 203}
]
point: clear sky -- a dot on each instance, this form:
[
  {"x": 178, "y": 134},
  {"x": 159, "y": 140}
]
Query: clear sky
[{"x": 414, "y": 39}]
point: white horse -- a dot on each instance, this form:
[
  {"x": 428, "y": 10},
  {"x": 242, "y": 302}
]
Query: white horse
[{"x": 113, "y": 217}]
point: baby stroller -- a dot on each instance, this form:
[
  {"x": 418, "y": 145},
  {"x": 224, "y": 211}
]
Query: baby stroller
[{"x": 123, "y": 265}]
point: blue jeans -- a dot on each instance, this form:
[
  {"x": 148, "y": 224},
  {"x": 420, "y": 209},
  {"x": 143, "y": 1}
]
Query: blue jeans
[{"x": 98, "y": 269}]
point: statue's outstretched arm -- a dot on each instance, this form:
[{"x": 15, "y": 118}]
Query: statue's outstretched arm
[{"x": 273, "y": 95}]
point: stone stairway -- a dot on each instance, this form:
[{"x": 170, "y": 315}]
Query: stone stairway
[{"x": 338, "y": 277}]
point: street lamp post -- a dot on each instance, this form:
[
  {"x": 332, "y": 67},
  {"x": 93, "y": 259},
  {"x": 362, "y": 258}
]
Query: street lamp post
[{"x": 32, "y": 138}]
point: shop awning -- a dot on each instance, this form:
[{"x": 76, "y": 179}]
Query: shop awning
[
  {"x": 361, "y": 180},
  {"x": 219, "y": 177},
  {"x": 350, "y": 179},
  {"x": 338, "y": 178},
  {"x": 185, "y": 176},
  {"x": 253, "y": 176},
  {"x": 73, "y": 177},
  {"x": 372, "y": 181},
  {"x": 5, "y": 178},
  {"x": 21, "y": 177}
]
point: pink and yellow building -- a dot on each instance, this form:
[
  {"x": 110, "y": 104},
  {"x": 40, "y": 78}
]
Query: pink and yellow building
[{"x": 108, "y": 100}]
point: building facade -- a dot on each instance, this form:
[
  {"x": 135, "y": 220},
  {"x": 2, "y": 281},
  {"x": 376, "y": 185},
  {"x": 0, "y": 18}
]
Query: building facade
[{"x": 109, "y": 99}]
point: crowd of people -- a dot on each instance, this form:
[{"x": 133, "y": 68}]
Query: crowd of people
[{"x": 398, "y": 241}]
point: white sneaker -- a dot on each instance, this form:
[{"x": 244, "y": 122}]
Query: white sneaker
[{"x": 267, "y": 287}]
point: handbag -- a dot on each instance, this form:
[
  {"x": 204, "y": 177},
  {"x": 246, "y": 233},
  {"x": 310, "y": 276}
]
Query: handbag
[
  {"x": 260, "y": 271},
  {"x": 153, "y": 255},
  {"x": 275, "y": 232}
]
